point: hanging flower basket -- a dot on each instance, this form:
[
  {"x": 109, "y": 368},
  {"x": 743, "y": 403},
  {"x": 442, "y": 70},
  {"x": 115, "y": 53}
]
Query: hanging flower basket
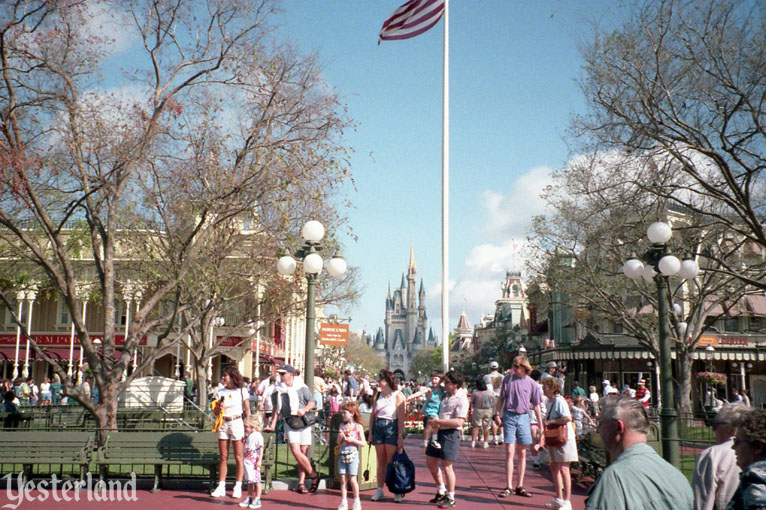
[{"x": 714, "y": 378}]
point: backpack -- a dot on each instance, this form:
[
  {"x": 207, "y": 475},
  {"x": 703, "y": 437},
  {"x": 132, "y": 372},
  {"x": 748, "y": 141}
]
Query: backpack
[{"x": 400, "y": 474}]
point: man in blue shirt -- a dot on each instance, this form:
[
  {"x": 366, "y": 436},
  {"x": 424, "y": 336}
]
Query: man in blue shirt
[{"x": 638, "y": 479}]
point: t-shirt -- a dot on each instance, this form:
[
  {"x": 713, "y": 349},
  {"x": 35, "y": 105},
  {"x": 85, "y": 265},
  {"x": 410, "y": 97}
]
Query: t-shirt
[
  {"x": 494, "y": 380},
  {"x": 268, "y": 405},
  {"x": 431, "y": 407},
  {"x": 482, "y": 399},
  {"x": 578, "y": 391},
  {"x": 232, "y": 400},
  {"x": 520, "y": 394},
  {"x": 352, "y": 387},
  {"x": 253, "y": 446},
  {"x": 558, "y": 408},
  {"x": 304, "y": 397},
  {"x": 454, "y": 406}
]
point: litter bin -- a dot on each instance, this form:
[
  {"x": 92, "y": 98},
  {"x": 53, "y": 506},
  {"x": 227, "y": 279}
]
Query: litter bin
[{"x": 368, "y": 462}]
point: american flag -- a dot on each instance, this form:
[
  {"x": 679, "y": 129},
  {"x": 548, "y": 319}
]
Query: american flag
[{"x": 412, "y": 19}]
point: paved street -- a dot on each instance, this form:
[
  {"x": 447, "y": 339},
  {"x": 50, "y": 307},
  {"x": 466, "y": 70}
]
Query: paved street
[{"x": 479, "y": 474}]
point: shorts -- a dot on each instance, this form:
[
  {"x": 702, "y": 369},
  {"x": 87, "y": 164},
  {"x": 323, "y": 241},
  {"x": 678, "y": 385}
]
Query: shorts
[
  {"x": 252, "y": 473},
  {"x": 385, "y": 431},
  {"x": 449, "y": 439},
  {"x": 516, "y": 428},
  {"x": 351, "y": 468},
  {"x": 233, "y": 430},
  {"x": 425, "y": 420},
  {"x": 481, "y": 418},
  {"x": 300, "y": 436},
  {"x": 45, "y": 395}
]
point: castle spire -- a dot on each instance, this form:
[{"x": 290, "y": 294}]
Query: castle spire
[{"x": 413, "y": 267}]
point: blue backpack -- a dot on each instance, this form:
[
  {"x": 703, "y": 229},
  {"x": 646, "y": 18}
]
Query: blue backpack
[{"x": 400, "y": 474}]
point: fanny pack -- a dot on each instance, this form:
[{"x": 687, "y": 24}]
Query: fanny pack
[{"x": 301, "y": 422}]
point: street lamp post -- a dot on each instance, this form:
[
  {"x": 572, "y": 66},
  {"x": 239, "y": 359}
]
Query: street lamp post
[
  {"x": 313, "y": 232},
  {"x": 660, "y": 265}
]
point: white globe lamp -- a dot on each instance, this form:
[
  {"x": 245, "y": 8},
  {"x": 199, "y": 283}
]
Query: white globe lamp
[
  {"x": 286, "y": 265},
  {"x": 337, "y": 266},
  {"x": 312, "y": 263},
  {"x": 669, "y": 265},
  {"x": 689, "y": 269},
  {"x": 633, "y": 268},
  {"x": 682, "y": 327},
  {"x": 313, "y": 231},
  {"x": 648, "y": 273},
  {"x": 659, "y": 232}
]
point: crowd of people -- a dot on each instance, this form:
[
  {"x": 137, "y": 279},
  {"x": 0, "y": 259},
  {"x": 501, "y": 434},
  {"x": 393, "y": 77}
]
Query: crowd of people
[{"x": 519, "y": 409}]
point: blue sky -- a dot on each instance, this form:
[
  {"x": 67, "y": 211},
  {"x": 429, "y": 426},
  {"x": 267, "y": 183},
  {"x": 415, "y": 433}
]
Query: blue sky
[{"x": 513, "y": 72}]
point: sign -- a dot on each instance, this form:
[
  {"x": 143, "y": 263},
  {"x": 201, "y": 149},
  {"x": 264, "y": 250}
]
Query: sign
[
  {"x": 706, "y": 340},
  {"x": 52, "y": 340},
  {"x": 332, "y": 334},
  {"x": 734, "y": 340}
]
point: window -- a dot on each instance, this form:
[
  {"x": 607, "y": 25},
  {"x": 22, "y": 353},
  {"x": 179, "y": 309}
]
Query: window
[
  {"x": 754, "y": 323},
  {"x": 15, "y": 305},
  {"x": 62, "y": 312},
  {"x": 120, "y": 314},
  {"x": 731, "y": 324}
]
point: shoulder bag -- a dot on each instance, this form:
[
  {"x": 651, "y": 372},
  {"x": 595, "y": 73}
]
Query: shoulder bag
[{"x": 555, "y": 434}]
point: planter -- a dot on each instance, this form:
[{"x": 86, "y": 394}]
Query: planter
[{"x": 711, "y": 378}]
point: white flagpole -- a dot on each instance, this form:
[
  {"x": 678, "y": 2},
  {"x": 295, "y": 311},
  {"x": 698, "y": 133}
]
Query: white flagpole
[{"x": 445, "y": 194}]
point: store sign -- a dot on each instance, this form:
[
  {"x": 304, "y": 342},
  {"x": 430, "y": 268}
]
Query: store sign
[
  {"x": 706, "y": 340},
  {"x": 734, "y": 340},
  {"x": 332, "y": 334},
  {"x": 53, "y": 340}
]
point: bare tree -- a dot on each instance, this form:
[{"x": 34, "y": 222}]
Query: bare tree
[
  {"x": 213, "y": 126},
  {"x": 599, "y": 214},
  {"x": 681, "y": 83}
]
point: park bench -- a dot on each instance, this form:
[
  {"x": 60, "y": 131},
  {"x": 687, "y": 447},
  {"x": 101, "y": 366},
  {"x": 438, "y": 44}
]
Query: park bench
[
  {"x": 30, "y": 448},
  {"x": 592, "y": 457},
  {"x": 178, "y": 448}
]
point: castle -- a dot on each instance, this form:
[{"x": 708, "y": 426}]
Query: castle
[{"x": 405, "y": 324}]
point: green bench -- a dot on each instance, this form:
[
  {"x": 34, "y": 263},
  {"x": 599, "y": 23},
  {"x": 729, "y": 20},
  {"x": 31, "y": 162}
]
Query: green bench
[
  {"x": 178, "y": 448},
  {"x": 30, "y": 448}
]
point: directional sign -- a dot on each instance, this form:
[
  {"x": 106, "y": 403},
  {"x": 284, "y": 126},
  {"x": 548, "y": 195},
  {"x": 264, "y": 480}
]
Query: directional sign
[{"x": 333, "y": 334}]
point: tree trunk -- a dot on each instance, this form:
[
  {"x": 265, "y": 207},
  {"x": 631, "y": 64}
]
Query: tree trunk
[
  {"x": 683, "y": 385},
  {"x": 106, "y": 409},
  {"x": 201, "y": 369}
]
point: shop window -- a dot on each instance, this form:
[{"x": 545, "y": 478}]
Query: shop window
[
  {"x": 15, "y": 305},
  {"x": 731, "y": 324},
  {"x": 62, "y": 312},
  {"x": 755, "y": 323}
]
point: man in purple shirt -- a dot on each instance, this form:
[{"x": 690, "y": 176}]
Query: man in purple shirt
[{"x": 518, "y": 395}]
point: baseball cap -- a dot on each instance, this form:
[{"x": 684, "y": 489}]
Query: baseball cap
[
  {"x": 286, "y": 369},
  {"x": 493, "y": 364},
  {"x": 642, "y": 381},
  {"x": 551, "y": 364}
]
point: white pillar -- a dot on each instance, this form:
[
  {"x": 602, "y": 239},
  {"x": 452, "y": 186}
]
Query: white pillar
[
  {"x": 84, "y": 315},
  {"x": 742, "y": 376},
  {"x": 21, "y": 296},
  {"x": 71, "y": 351},
  {"x": 31, "y": 296},
  {"x": 138, "y": 295}
]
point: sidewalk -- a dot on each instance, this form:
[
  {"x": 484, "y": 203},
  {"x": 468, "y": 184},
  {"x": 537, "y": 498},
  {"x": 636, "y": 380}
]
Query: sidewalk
[{"x": 480, "y": 475}]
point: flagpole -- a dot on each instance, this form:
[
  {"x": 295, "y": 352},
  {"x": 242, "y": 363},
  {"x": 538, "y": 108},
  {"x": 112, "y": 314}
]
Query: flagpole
[{"x": 445, "y": 194}]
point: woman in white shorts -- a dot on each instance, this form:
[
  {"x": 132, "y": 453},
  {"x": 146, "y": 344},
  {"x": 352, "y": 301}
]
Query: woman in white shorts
[{"x": 233, "y": 400}]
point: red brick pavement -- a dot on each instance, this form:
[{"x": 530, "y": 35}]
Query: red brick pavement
[{"x": 479, "y": 474}]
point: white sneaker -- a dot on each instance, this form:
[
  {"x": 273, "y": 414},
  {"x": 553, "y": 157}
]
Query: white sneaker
[
  {"x": 555, "y": 503},
  {"x": 425, "y": 443},
  {"x": 473, "y": 444},
  {"x": 237, "y": 492},
  {"x": 398, "y": 498},
  {"x": 486, "y": 444},
  {"x": 357, "y": 505},
  {"x": 565, "y": 505},
  {"x": 343, "y": 505},
  {"x": 245, "y": 503},
  {"x": 219, "y": 491},
  {"x": 435, "y": 444},
  {"x": 378, "y": 495},
  {"x": 256, "y": 503}
]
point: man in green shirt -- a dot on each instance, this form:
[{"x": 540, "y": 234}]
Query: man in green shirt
[
  {"x": 638, "y": 479},
  {"x": 577, "y": 391}
]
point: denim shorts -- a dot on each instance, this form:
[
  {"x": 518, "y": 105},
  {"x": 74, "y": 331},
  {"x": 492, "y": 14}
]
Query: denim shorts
[
  {"x": 351, "y": 468},
  {"x": 385, "y": 431},
  {"x": 516, "y": 428}
]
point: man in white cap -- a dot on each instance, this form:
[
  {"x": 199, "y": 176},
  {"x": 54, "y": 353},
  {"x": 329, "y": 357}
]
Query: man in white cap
[
  {"x": 606, "y": 388},
  {"x": 643, "y": 395},
  {"x": 293, "y": 400},
  {"x": 494, "y": 380},
  {"x": 551, "y": 370}
]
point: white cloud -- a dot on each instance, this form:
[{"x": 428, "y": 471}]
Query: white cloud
[
  {"x": 111, "y": 26},
  {"x": 509, "y": 215}
]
